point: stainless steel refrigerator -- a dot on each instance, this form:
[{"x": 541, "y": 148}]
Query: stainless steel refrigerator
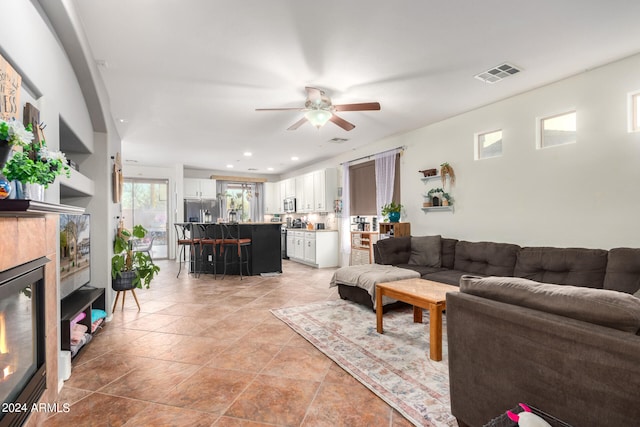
[{"x": 204, "y": 210}]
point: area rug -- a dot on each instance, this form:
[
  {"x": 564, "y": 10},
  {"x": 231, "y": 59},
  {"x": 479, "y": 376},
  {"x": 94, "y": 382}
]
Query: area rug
[{"x": 394, "y": 365}]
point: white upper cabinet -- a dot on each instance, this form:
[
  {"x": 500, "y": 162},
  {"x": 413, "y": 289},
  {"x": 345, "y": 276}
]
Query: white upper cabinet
[
  {"x": 325, "y": 189},
  {"x": 198, "y": 188},
  {"x": 288, "y": 188},
  {"x": 272, "y": 198}
]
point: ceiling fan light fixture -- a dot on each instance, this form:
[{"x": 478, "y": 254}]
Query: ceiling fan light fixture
[{"x": 318, "y": 118}]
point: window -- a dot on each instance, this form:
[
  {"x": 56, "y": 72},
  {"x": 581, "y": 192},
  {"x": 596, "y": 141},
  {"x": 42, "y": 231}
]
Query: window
[
  {"x": 362, "y": 187},
  {"x": 557, "y": 130},
  {"x": 634, "y": 112},
  {"x": 488, "y": 144}
]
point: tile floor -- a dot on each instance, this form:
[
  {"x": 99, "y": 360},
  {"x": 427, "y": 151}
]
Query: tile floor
[{"x": 209, "y": 353}]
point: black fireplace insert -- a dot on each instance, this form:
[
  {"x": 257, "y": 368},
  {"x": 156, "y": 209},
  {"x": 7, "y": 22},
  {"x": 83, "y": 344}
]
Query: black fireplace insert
[{"x": 22, "y": 340}]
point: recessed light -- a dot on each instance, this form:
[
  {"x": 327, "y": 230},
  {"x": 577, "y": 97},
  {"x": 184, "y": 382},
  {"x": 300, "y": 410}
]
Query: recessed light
[
  {"x": 230, "y": 166},
  {"x": 269, "y": 169},
  {"x": 247, "y": 153},
  {"x": 294, "y": 158},
  {"x": 123, "y": 121}
]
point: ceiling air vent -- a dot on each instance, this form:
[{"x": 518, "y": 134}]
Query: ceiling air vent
[
  {"x": 338, "y": 140},
  {"x": 497, "y": 73}
]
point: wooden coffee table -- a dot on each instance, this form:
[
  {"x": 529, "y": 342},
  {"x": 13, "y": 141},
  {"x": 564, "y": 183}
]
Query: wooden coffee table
[{"x": 421, "y": 294}]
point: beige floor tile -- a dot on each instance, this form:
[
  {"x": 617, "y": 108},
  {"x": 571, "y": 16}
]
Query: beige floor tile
[{"x": 205, "y": 352}]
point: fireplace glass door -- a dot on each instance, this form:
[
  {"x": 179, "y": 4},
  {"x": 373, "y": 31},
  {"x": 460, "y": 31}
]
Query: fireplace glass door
[{"x": 21, "y": 342}]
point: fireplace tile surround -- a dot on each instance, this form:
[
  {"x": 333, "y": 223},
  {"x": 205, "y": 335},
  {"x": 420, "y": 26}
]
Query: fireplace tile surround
[{"x": 25, "y": 239}]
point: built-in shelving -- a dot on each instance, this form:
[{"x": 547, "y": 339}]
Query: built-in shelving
[{"x": 78, "y": 184}]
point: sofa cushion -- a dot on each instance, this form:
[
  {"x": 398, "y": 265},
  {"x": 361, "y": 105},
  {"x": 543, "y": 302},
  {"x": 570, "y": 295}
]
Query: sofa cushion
[
  {"x": 392, "y": 251},
  {"x": 425, "y": 250},
  {"x": 623, "y": 270},
  {"x": 563, "y": 266},
  {"x": 420, "y": 268},
  {"x": 486, "y": 258},
  {"x": 449, "y": 277},
  {"x": 448, "y": 252},
  {"x": 603, "y": 307}
]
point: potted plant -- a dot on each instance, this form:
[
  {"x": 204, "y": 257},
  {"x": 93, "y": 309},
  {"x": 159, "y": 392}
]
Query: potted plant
[
  {"x": 392, "y": 211},
  {"x": 131, "y": 269},
  {"x": 436, "y": 196},
  {"x": 446, "y": 169},
  {"x": 35, "y": 164},
  {"x": 446, "y": 199},
  {"x": 13, "y": 133}
]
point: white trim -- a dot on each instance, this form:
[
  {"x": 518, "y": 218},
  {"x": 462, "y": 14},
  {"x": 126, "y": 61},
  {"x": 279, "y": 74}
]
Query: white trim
[{"x": 632, "y": 114}]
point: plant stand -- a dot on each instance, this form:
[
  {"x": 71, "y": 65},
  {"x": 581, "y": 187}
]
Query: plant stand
[{"x": 124, "y": 294}]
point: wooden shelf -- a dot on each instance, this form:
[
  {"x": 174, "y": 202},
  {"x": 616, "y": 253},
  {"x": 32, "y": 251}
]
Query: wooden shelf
[
  {"x": 399, "y": 228},
  {"x": 362, "y": 247},
  {"x": 82, "y": 300}
]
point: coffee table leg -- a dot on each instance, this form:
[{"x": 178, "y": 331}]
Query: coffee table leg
[
  {"x": 435, "y": 332},
  {"x": 378, "y": 310},
  {"x": 417, "y": 314}
]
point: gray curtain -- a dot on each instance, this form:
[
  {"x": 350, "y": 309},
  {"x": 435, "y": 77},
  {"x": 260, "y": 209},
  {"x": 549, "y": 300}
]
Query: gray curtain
[
  {"x": 257, "y": 202},
  {"x": 221, "y": 189}
]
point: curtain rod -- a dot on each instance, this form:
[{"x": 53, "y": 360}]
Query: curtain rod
[{"x": 401, "y": 149}]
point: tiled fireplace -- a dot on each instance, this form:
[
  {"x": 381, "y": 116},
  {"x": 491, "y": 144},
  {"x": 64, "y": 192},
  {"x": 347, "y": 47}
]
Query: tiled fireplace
[{"x": 28, "y": 308}]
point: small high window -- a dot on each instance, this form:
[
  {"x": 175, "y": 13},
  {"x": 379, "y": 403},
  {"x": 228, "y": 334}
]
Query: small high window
[
  {"x": 558, "y": 130},
  {"x": 634, "y": 112},
  {"x": 488, "y": 144}
]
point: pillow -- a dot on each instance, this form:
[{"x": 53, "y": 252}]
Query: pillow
[
  {"x": 425, "y": 250},
  {"x": 603, "y": 307}
]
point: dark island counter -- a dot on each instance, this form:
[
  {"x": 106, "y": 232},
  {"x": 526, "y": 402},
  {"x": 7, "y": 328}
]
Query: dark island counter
[{"x": 264, "y": 251}]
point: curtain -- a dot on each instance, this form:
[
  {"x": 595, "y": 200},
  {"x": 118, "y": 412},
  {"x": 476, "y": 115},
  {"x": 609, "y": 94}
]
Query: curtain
[
  {"x": 221, "y": 189},
  {"x": 345, "y": 223},
  {"x": 257, "y": 202},
  {"x": 385, "y": 177}
]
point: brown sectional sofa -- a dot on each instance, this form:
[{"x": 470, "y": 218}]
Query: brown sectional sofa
[{"x": 539, "y": 344}]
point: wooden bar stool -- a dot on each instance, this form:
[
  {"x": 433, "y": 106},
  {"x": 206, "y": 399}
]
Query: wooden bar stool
[
  {"x": 231, "y": 240},
  {"x": 210, "y": 233},
  {"x": 184, "y": 239}
]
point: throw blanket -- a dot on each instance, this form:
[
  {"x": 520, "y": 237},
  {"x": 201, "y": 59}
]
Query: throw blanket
[{"x": 366, "y": 276}]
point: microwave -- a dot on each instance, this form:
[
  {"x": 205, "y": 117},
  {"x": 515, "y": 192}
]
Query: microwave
[{"x": 289, "y": 204}]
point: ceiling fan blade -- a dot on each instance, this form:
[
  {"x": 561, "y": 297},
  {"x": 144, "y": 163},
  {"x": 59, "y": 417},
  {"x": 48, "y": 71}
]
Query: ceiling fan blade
[
  {"x": 297, "y": 124},
  {"x": 281, "y": 109},
  {"x": 365, "y": 106},
  {"x": 314, "y": 94},
  {"x": 342, "y": 123}
]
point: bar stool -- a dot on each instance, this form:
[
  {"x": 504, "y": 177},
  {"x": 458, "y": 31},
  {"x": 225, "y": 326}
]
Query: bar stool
[
  {"x": 231, "y": 239},
  {"x": 184, "y": 239},
  {"x": 210, "y": 238}
]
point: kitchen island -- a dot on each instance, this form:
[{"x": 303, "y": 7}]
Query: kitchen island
[{"x": 264, "y": 251}]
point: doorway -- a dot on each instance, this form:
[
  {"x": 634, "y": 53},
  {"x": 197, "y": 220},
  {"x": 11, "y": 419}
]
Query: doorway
[{"x": 145, "y": 202}]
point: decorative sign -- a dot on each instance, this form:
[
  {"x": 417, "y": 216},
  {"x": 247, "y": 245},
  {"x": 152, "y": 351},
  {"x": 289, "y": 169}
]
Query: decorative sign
[{"x": 10, "y": 82}]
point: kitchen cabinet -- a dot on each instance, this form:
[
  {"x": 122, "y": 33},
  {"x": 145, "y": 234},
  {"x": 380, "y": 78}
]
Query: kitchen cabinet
[
  {"x": 325, "y": 189},
  {"x": 310, "y": 247},
  {"x": 272, "y": 198},
  {"x": 316, "y": 191},
  {"x": 288, "y": 188},
  {"x": 304, "y": 193},
  {"x": 198, "y": 188},
  {"x": 315, "y": 248},
  {"x": 291, "y": 244},
  {"x": 298, "y": 245}
]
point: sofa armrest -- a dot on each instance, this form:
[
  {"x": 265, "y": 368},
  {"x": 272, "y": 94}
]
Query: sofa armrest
[{"x": 501, "y": 354}]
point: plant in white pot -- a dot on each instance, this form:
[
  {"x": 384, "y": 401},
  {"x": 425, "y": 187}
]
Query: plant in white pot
[{"x": 131, "y": 269}]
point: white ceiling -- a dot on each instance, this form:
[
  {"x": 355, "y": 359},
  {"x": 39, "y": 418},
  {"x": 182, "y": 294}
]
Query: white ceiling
[{"x": 186, "y": 76}]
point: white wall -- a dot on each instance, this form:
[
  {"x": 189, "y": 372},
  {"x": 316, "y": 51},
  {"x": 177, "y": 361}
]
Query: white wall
[
  {"x": 581, "y": 195},
  {"x": 584, "y": 194}
]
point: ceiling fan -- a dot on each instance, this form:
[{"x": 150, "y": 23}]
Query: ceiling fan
[{"x": 319, "y": 110}]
